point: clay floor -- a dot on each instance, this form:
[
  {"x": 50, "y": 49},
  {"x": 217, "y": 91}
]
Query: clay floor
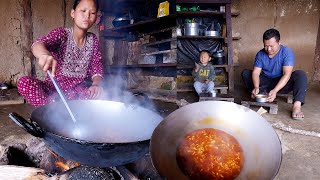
[{"x": 300, "y": 139}]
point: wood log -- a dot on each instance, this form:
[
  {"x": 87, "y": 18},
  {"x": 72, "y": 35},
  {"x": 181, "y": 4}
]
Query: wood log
[{"x": 22, "y": 173}]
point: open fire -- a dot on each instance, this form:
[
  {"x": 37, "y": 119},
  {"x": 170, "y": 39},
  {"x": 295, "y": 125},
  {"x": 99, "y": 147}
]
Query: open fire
[
  {"x": 36, "y": 160},
  {"x": 64, "y": 164}
]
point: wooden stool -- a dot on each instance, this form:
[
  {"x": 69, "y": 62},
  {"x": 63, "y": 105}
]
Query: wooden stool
[
  {"x": 288, "y": 96},
  {"x": 273, "y": 105},
  {"x": 219, "y": 97}
]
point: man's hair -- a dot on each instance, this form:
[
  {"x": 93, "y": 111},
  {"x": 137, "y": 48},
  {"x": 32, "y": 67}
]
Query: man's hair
[
  {"x": 270, "y": 33},
  {"x": 205, "y": 51},
  {"x": 76, "y": 2}
]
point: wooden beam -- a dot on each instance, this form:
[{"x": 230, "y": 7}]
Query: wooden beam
[
  {"x": 26, "y": 36},
  {"x": 203, "y": 1},
  {"x": 316, "y": 75}
]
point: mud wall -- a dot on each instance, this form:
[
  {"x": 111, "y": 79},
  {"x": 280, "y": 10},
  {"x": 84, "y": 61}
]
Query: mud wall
[
  {"x": 23, "y": 21},
  {"x": 297, "y": 21}
]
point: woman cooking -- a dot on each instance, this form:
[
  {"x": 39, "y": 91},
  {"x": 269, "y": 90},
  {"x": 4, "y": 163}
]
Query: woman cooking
[{"x": 74, "y": 57}]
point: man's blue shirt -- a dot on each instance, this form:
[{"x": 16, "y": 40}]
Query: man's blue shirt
[{"x": 272, "y": 67}]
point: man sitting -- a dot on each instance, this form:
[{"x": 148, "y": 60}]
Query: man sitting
[{"x": 273, "y": 73}]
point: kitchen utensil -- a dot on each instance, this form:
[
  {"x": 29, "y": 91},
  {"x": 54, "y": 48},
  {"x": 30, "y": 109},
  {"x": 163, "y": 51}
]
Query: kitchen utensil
[
  {"x": 260, "y": 144},
  {"x": 219, "y": 57},
  {"x": 63, "y": 98},
  {"x": 212, "y": 33},
  {"x": 261, "y": 98},
  {"x": 107, "y": 133},
  {"x": 191, "y": 29},
  {"x": 121, "y": 21}
]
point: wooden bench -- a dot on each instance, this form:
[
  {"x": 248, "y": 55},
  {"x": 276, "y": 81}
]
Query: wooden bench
[
  {"x": 219, "y": 97},
  {"x": 188, "y": 87},
  {"x": 288, "y": 96},
  {"x": 272, "y": 105}
]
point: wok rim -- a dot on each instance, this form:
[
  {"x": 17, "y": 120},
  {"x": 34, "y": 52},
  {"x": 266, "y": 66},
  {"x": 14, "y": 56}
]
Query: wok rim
[
  {"x": 42, "y": 109},
  {"x": 156, "y": 137},
  {"x": 88, "y": 142}
]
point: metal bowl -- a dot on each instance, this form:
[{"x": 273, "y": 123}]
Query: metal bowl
[
  {"x": 259, "y": 141},
  {"x": 212, "y": 33},
  {"x": 261, "y": 98}
]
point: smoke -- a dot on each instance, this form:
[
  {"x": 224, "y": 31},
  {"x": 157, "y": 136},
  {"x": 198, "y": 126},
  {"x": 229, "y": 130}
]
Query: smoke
[{"x": 117, "y": 87}]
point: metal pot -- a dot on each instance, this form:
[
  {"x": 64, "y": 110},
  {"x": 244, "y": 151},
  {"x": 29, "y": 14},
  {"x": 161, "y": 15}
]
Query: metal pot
[
  {"x": 261, "y": 98},
  {"x": 191, "y": 29},
  {"x": 260, "y": 143},
  {"x": 219, "y": 57},
  {"x": 106, "y": 133},
  {"x": 121, "y": 21},
  {"x": 212, "y": 33}
]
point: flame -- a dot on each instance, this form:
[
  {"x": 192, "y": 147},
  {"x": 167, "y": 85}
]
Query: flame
[{"x": 64, "y": 164}]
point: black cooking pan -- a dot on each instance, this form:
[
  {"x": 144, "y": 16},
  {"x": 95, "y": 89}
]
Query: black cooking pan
[{"x": 106, "y": 133}]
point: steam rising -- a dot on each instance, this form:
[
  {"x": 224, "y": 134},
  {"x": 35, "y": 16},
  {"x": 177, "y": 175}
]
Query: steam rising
[{"x": 122, "y": 117}]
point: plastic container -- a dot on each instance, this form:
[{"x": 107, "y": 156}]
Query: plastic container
[{"x": 163, "y": 9}]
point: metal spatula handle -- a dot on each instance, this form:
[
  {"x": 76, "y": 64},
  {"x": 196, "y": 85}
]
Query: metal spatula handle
[{"x": 61, "y": 95}]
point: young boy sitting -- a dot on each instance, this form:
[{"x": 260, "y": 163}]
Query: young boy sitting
[{"x": 203, "y": 74}]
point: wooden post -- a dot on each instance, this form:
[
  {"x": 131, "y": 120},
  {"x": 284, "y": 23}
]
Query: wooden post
[{"x": 26, "y": 37}]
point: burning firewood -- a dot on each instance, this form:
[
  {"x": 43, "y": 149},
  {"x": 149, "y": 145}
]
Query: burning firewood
[{"x": 22, "y": 173}]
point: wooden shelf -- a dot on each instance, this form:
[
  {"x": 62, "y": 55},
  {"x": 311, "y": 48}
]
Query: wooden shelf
[
  {"x": 191, "y": 67},
  {"x": 142, "y": 24},
  {"x": 158, "y": 52},
  {"x": 144, "y": 65},
  {"x": 160, "y": 42},
  {"x": 236, "y": 38},
  {"x": 200, "y": 37},
  {"x": 203, "y": 1},
  {"x": 187, "y": 87},
  {"x": 201, "y": 13},
  {"x": 205, "y": 13}
]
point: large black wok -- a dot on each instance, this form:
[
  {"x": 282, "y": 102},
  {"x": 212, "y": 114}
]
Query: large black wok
[{"x": 106, "y": 133}]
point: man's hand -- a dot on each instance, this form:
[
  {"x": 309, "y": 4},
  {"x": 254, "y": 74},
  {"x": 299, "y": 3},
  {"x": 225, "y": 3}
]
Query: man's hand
[
  {"x": 95, "y": 91},
  {"x": 196, "y": 67},
  {"x": 272, "y": 95},
  {"x": 46, "y": 61},
  {"x": 254, "y": 92}
]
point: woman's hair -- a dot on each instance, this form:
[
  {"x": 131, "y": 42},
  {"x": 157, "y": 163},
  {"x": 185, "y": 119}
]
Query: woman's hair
[
  {"x": 270, "y": 33},
  {"x": 76, "y": 2}
]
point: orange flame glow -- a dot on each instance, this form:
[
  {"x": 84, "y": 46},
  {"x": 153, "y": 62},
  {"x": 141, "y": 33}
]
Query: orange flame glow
[{"x": 64, "y": 164}]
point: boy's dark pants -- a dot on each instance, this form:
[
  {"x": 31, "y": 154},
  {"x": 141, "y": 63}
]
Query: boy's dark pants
[{"x": 297, "y": 83}]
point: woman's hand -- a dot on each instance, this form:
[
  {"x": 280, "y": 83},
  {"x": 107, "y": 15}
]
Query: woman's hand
[
  {"x": 95, "y": 91},
  {"x": 46, "y": 61}
]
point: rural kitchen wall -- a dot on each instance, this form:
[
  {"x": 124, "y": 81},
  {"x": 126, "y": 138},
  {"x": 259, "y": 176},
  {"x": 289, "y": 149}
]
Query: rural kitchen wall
[
  {"x": 23, "y": 22},
  {"x": 297, "y": 21}
]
